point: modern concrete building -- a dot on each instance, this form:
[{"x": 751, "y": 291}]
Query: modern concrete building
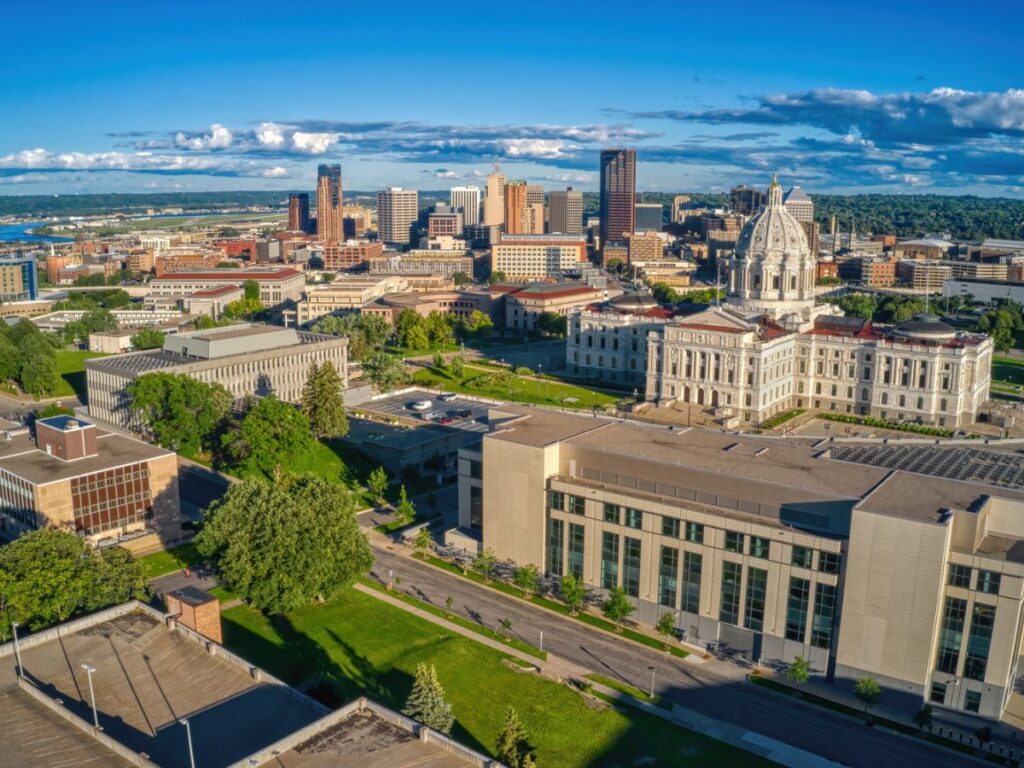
[
  {"x": 244, "y": 359},
  {"x": 277, "y": 286},
  {"x": 345, "y": 295},
  {"x": 421, "y": 261},
  {"x": 72, "y": 476},
  {"x": 565, "y": 212},
  {"x": 923, "y": 275},
  {"x": 799, "y": 205},
  {"x": 330, "y": 206},
  {"x": 746, "y": 200},
  {"x": 648, "y": 217},
  {"x": 900, "y": 564},
  {"x": 397, "y": 211},
  {"x": 618, "y": 194},
  {"x": 535, "y": 257},
  {"x": 467, "y": 200},
  {"x": 19, "y": 280}
]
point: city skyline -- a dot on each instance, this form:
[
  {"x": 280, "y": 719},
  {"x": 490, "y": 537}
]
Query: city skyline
[{"x": 832, "y": 99}]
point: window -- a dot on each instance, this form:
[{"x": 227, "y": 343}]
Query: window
[
  {"x": 733, "y": 542},
  {"x": 577, "y": 505},
  {"x": 972, "y": 701},
  {"x": 976, "y": 659},
  {"x": 729, "y": 610},
  {"x": 759, "y": 547},
  {"x": 691, "y": 582},
  {"x": 951, "y": 635},
  {"x": 634, "y": 518},
  {"x": 824, "y": 611},
  {"x": 556, "y": 500},
  {"x": 796, "y": 608},
  {"x": 476, "y": 508},
  {"x": 556, "y": 545},
  {"x": 670, "y": 527},
  {"x": 667, "y": 570},
  {"x": 938, "y": 693},
  {"x": 695, "y": 533},
  {"x": 609, "y": 560},
  {"x": 576, "y": 536},
  {"x": 988, "y": 582},
  {"x": 631, "y": 567},
  {"x": 757, "y": 586},
  {"x": 803, "y": 557},
  {"x": 612, "y": 513},
  {"x": 828, "y": 562},
  {"x": 959, "y": 576}
]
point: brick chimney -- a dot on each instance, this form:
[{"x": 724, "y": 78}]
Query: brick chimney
[{"x": 197, "y": 610}]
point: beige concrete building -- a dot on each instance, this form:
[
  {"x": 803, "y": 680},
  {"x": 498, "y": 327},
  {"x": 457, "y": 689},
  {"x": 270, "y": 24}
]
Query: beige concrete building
[
  {"x": 923, "y": 275},
  {"x": 423, "y": 261},
  {"x": 565, "y": 212},
  {"x": 277, "y": 286},
  {"x": 346, "y": 295},
  {"x": 494, "y": 198},
  {"x": 461, "y": 303},
  {"x": 644, "y": 246},
  {"x": 771, "y": 550},
  {"x": 535, "y": 257},
  {"x": 244, "y": 359},
  {"x": 397, "y": 211},
  {"x": 524, "y": 305}
]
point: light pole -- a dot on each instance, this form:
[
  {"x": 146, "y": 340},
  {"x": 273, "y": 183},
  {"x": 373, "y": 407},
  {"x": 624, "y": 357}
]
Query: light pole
[
  {"x": 188, "y": 736},
  {"x": 652, "y": 681},
  {"x": 92, "y": 694},
  {"x": 17, "y": 648}
]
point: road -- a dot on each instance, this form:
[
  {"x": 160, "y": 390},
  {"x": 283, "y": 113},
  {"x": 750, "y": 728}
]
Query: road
[{"x": 715, "y": 689}]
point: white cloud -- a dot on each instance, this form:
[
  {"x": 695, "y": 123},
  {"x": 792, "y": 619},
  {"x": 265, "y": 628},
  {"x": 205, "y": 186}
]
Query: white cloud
[
  {"x": 219, "y": 137},
  {"x": 313, "y": 143},
  {"x": 270, "y": 135},
  {"x": 539, "y": 148},
  {"x": 276, "y": 172}
]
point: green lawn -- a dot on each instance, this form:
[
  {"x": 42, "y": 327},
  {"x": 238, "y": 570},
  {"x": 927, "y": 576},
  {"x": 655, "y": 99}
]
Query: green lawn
[
  {"x": 521, "y": 389},
  {"x": 373, "y": 648},
  {"x": 71, "y": 366},
  {"x": 1007, "y": 370},
  {"x": 170, "y": 560}
]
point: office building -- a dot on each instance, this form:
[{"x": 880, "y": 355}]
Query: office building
[
  {"x": 330, "y": 208},
  {"x": 644, "y": 247},
  {"x": 444, "y": 224},
  {"x": 397, "y": 211},
  {"x": 345, "y": 296},
  {"x": 339, "y": 257},
  {"x": 746, "y": 201},
  {"x": 298, "y": 212},
  {"x": 422, "y": 261},
  {"x": 244, "y": 359},
  {"x": 515, "y": 206},
  {"x": 19, "y": 280},
  {"x": 679, "y": 206},
  {"x": 799, "y": 205},
  {"x": 618, "y": 194},
  {"x": 525, "y": 304},
  {"x": 648, "y": 217},
  {"x": 72, "y": 476},
  {"x": 871, "y": 271},
  {"x": 494, "y": 198},
  {"x": 923, "y": 276},
  {"x": 467, "y": 199},
  {"x": 277, "y": 286},
  {"x": 565, "y": 212},
  {"x": 896, "y": 563},
  {"x": 535, "y": 194},
  {"x": 535, "y": 257}
]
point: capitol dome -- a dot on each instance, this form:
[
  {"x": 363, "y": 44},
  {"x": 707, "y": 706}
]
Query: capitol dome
[{"x": 773, "y": 234}]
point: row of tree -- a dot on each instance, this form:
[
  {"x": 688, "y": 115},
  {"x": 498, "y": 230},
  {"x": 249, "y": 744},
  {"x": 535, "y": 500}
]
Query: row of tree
[{"x": 28, "y": 358}]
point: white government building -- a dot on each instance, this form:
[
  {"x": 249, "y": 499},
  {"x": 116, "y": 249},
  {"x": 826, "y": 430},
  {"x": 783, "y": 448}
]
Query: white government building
[{"x": 772, "y": 347}]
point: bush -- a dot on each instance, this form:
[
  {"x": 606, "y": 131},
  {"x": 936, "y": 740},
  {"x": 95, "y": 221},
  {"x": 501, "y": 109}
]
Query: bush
[{"x": 871, "y": 421}]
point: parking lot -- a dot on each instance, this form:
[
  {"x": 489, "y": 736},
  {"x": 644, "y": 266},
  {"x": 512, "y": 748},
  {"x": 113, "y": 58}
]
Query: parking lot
[{"x": 455, "y": 411}]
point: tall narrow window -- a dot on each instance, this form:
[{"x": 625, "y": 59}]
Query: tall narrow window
[
  {"x": 556, "y": 546},
  {"x": 951, "y": 635},
  {"x": 609, "y": 560},
  {"x": 631, "y": 567},
  {"x": 691, "y": 582},
  {"x": 556, "y": 500},
  {"x": 824, "y": 613},
  {"x": 667, "y": 578},
  {"x": 983, "y": 619},
  {"x": 796, "y": 609},
  {"x": 757, "y": 586},
  {"x": 576, "y": 537},
  {"x": 729, "y": 610}
]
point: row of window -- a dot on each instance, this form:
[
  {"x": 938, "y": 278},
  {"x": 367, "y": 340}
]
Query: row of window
[
  {"x": 979, "y": 639},
  {"x": 986, "y": 581},
  {"x": 972, "y": 699}
]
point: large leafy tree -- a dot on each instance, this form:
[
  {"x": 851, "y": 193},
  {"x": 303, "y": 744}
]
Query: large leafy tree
[
  {"x": 439, "y": 328},
  {"x": 270, "y": 434},
  {"x": 177, "y": 411},
  {"x": 384, "y": 371},
  {"x": 9, "y": 362},
  {"x": 283, "y": 544},
  {"x": 37, "y": 365},
  {"x": 148, "y": 338},
  {"x": 426, "y": 702},
  {"x": 365, "y": 333},
  {"x": 323, "y": 401}
]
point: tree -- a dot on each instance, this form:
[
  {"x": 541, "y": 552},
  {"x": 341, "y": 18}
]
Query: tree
[
  {"x": 614, "y": 265},
  {"x": 457, "y": 367},
  {"x": 99, "y": 321},
  {"x": 868, "y": 691},
  {"x": 860, "y": 305},
  {"x": 438, "y": 326},
  {"x": 323, "y": 401},
  {"x": 270, "y": 435},
  {"x": 923, "y": 716},
  {"x": 377, "y": 483},
  {"x": 496, "y": 277},
  {"x": 426, "y": 702},
  {"x": 423, "y": 539},
  {"x": 405, "y": 510},
  {"x": 417, "y": 339},
  {"x": 527, "y": 578},
  {"x": 799, "y": 671},
  {"x": 477, "y": 324},
  {"x": 9, "y": 362},
  {"x": 552, "y": 325},
  {"x": 177, "y": 411},
  {"x": 251, "y": 290},
  {"x": 53, "y": 409},
  {"x": 617, "y": 606},
  {"x": 407, "y": 320},
  {"x": 514, "y": 748},
  {"x": 281, "y": 544},
  {"x": 666, "y": 626},
  {"x": 438, "y": 362},
  {"x": 485, "y": 562},
  {"x": 461, "y": 279},
  {"x": 118, "y": 577},
  {"x": 37, "y": 370},
  {"x": 573, "y": 591},
  {"x": 148, "y": 338},
  {"x": 384, "y": 371}
]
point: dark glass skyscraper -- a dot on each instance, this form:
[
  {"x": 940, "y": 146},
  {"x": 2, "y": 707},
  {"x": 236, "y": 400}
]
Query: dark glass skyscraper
[
  {"x": 618, "y": 194},
  {"x": 298, "y": 212}
]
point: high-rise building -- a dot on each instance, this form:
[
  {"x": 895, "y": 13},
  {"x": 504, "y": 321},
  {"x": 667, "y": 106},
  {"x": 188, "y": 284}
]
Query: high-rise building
[
  {"x": 534, "y": 194},
  {"x": 618, "y": 194},
  {"x": 533, "y": 219},
  {"x": 468, "y": 199},
  {"x": 679, "y": 203},
  {"x": 330, "y": 211},
  {"x": 397, "y": 211},
  {"x": 298, "y": 212},
  {"x": 565, "y": 212},
  {"x": 747, "y": 200},
  {"x": 18, "y": 278},
  {"x": 515, "y": 203},
  {"x": 799, "y": 204},
  {"x": 494, "y": 197},
  {"x": 648, "y": 217}
]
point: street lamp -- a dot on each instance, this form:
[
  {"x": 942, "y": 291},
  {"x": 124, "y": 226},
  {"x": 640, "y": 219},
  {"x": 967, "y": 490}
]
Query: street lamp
[
  {"x": 652, "y": 681},
  {"x": 188, "y": 735},
  {"x": 92, "y": 694},
  {"x": 17, "y": 649}
]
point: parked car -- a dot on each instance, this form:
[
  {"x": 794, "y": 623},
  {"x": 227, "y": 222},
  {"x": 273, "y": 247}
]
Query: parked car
[
  {"x": 447, "y": 397},
  {"x": 446, "y": 420},
  {"x": 421, "y": 405}
]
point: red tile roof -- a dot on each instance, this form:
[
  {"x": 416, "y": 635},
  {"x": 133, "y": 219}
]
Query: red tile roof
[{"x": 220, "y": 290}]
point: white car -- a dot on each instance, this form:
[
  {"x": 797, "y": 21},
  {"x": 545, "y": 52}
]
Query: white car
[{"x": 422, "y": 405}]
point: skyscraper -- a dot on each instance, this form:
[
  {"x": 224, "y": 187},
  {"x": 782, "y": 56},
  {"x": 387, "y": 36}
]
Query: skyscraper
[
  {"x": 468, "y": 199},
  {"x": 799, "y": 204},
  {"x": 535, "y": 194},
  {"x": 397, "y": 211},
  {"x": 298, "y": 212},
  {"x": 747, "y": 200},
  {"x": 565, "y": 212},
  {"x": 618, "y": 194},
  {"x": 330, "y": 211},
  {"x": 649, "y": 217},
  {"x": 515, "y": 205},
  {"x": 494, "y": 197}
]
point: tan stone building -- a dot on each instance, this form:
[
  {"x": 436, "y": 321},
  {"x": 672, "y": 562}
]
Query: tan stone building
[
  {"x": 277, "y": 286},
  {"x": 345, "y": 295},
  {"x": 524, "y": 305},
  {"x": 535, "y": 257}
]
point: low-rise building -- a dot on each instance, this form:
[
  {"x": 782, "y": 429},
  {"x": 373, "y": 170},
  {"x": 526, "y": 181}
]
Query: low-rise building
[
  {"x": 423, "y": 261},
  {"x": 244, "y": 359},
  {"x": 339, "y": 257},
  {"x": 925, "y": 248},
  {"x": 345, "y": 295},
  {"x": 460, "y": 303},
  {"x": 525, "y": 304},
  {"x": 923, "y": 275},
  {"x": 212, "y": 301},
  {"x": 536, "y": 257},
  {"x": 277, "y": 286},
  {"x": 871, "y": 271}
]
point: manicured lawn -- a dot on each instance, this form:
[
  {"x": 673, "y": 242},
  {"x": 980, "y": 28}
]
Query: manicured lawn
[
  {"x": 520, "y": 389},
  {"x": 71, "y": 366},
  {"x": 373, "y": 648},
  {"x": 1007, "y": 370},
  {"x": 170, "y": 560}
]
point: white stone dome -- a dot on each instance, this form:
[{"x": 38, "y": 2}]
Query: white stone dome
[{"x": 773, "y": 234}]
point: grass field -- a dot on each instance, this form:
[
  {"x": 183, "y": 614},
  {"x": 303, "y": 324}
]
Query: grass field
[
  {"x": 1007, "y": 370},
  {"x": 170, "y": 560},
  {"x": 373, "y": 648},
  {"x": 521, "y": 389}
]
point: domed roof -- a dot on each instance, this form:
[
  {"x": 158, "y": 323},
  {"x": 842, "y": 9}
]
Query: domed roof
[
  {"x": 773, "y": 234},
  {"x": 925, "y": 327},
  {"x": 633, "y": 303}
]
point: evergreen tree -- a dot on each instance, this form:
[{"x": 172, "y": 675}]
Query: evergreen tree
[
  {"x": 426, "y": 702},
  {"x": 514, "y": 748},
  {"x": 323, "y": 401}
]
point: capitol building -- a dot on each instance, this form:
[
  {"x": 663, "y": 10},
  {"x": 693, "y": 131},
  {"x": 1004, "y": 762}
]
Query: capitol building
[{"x": 772, "y": 346}]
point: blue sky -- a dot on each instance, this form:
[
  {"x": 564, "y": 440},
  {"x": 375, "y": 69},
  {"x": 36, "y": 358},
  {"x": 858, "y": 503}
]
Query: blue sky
[{"x": 910, "y": 96}]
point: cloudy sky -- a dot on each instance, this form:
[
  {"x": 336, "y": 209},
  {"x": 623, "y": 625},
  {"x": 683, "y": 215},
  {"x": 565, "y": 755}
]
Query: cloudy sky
[{"x": 926, "y": 96}]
